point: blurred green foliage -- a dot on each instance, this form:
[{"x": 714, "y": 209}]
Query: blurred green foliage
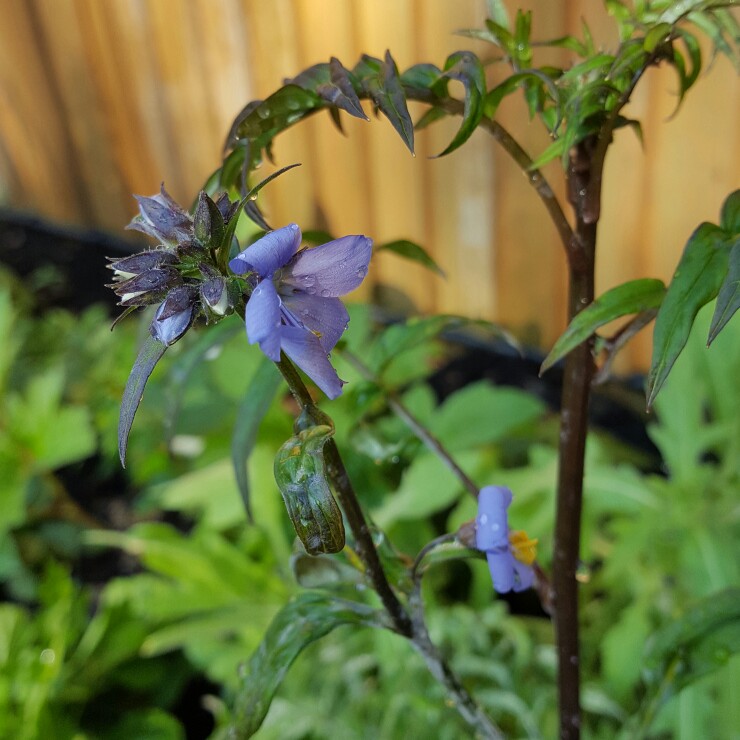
[{"x": 109, "y": 658}]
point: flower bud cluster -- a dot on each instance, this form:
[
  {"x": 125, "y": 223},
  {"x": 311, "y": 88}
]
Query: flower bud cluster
[{"x": 181, "y": 273}]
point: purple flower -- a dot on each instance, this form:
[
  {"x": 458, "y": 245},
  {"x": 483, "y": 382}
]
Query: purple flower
[
  {"x": 492, "y": 537},
  {"x": 295, "y": 306}
]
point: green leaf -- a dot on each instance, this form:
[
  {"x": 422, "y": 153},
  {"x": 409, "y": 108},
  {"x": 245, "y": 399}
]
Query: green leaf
[
  {"x": 380, "y": 81},
  {"x": 149, "y": 355},
  {"x": 257, "y": 400},
  {"x": 405, "y": 336},
  {"x": 333, "y": 83},
  {"x": 433, "y": 114},
  {"x": 224, "y": 250},
  {"x": 426, "y": 78},
  {"x": 696, "y": 281},
  {"x": 632, "y": 297},
  {"x": 261, "y": 120},
  {"x": 699, "y": 642},
  {"x": 657, "y": 35},
  {"x": 481, "y": 413},
  {"x": 307, "y": 618},
  {"x": 729, "y": 218},
  {"x": 498, "y": 13},
  {"x": 465, "y": 67},
  {"x": 728, "y": 299},
  {"x": 412, "y": 251}
]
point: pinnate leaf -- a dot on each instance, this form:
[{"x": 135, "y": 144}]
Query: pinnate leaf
[
  {"x": 696, "y": 281},
  {"x": 632, "y": 297},
  {"x": 467, "y": 68},
  {"x": 380, "y": 81},
  {"x": 149, "y": 355},
  {"x": 307, "y": 618},
  {"x": 728, "y": 298}
]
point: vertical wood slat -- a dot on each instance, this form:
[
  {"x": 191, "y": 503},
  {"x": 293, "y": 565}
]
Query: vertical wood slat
[{"x": 99, "y": 100}]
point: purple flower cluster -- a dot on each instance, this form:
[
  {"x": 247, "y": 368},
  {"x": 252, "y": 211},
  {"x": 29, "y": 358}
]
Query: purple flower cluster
[{"x": 295, "y": 306}]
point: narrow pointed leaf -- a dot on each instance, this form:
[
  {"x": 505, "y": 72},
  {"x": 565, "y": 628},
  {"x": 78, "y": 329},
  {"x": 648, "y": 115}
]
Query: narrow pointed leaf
[
  {"x": 340, "y": 92},
  {"x": 256, "y": 216},
  {"x": 149, "y": 355},
  {"x": 412, "y": 251},
  {"x": 425, "y": 78},
  {"x": 729, "y": 218},
  {"x": 254, "y": 406},
  {"x": 432, "y": 115},
  {"x": 728, "y": 299},
  {"x": 380, "y": 81},
  {"x": 696, "y": 281},
  {"x": 307, "y": 618},
  {"x": 632, "y": 297},
  {"x": 467, "y": 68}
]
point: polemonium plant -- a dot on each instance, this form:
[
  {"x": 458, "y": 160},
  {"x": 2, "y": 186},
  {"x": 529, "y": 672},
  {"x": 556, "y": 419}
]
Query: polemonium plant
[{"x": 289, "y": 298}]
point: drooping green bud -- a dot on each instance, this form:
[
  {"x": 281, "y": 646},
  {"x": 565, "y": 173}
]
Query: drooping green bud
[{"x": 300, "y": 473}]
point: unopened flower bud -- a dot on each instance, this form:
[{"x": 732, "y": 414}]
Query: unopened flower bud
[
  {"x": 161, "y": 217},
  {"x": 208, "y": 223},
  {"x": 226, "y": 207},
  {"x": 174, "y": 316},
  {"x": 148, "y": 287},
  {"x": 302, "y": 479},
  {"x": 128, "y": 267},
  {"x": 214, "y": 293}
]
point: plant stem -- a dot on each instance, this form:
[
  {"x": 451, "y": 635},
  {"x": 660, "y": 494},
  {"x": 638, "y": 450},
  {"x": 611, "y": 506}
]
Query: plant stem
[
  {"x": 514, "y": 149},
  {"x": 422, "y": 433},
  {"x": 351, "y": 507},
  {"x": 414, "y": 629},
  {"x": 579, "y": 369}
]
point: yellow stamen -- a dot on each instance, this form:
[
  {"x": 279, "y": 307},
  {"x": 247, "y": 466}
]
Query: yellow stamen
[{"x": 522, "y": 548}]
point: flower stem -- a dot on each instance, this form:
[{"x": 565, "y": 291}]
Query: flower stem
[
  {"x": 412, "y": 628},
  {"x": 423, "y": 434},
  {"x": 351, "y": 507}
]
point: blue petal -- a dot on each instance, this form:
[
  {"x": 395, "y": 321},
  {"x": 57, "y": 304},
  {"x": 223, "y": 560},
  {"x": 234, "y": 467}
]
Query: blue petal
[
  {"x": 326, "y": 317},
  {"x": 492, "y": 528},
  {"x": 262, "y": 319},
  {"x": 501, "y": 565},
  {"x": 306, "y": 351},
  {"x": 524, "y": 576},
  {"x": 332, "y": 269},
  {"x": 269, "y": 253}
]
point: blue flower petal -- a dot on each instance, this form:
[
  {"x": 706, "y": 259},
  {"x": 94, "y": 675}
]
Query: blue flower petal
[
  {"x": 492, "y": 529},
  {"x": 306, "y": 351},
  {"x": 331, "y": 270},
  {"x": 524, "y": 576},
  {"x": 326, "y": 317},
  {"x": 501, "y": 565},
  {"x": 269, "y": 253},
  {"x": 262, "y": 318}
]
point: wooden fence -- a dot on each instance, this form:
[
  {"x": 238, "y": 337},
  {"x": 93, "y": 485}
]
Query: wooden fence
[{"x": 103, "y": 98}]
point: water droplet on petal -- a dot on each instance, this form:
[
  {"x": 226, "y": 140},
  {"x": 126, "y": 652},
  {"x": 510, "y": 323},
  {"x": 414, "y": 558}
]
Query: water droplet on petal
[
  {"x": 361, "y": 271},
  {"x": 342, "y": 264},
  {"x": 494, "y": 527},
  {"x": 308, "y": 280},
  {"x": 311, "y": 290},
  {"x": 325, "y": 293},
  {"x": 483, "y": 518},
  {"x": 304, "y": 312}
]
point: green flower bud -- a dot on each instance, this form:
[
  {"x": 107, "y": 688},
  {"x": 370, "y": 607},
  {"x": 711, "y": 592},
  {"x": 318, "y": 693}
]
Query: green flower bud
[{"x": 300, "y": 473}]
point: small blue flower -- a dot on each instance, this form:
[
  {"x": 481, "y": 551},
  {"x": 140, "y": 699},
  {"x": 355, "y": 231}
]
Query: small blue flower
[
  {"x": 295, "y": 306},
  {"x": 509, "y": 565}
]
